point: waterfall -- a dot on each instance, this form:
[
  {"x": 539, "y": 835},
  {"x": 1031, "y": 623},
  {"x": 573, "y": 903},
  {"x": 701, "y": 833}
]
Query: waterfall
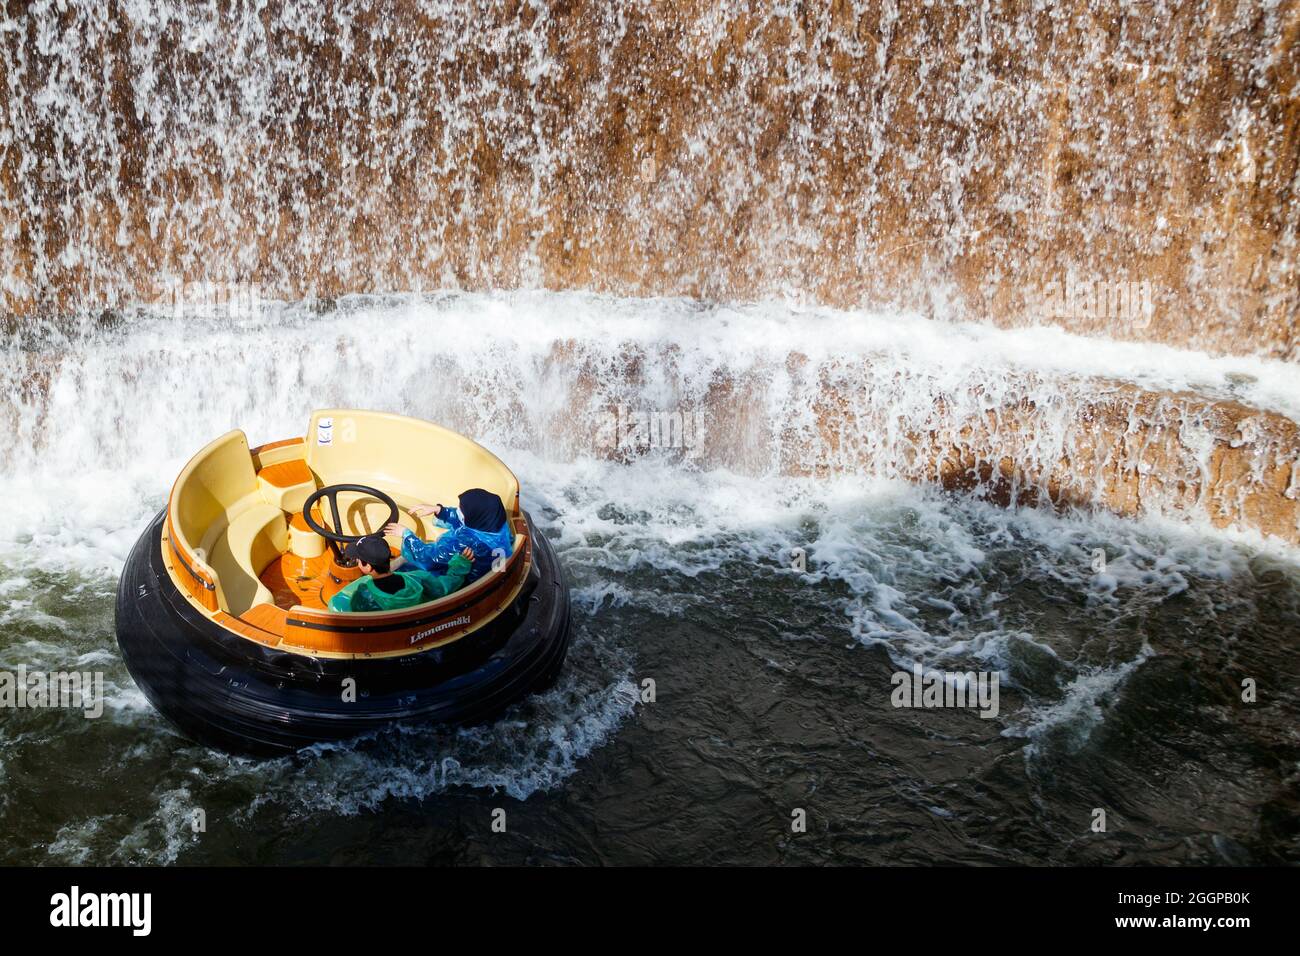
[
  {"x": 1035, "y": 417},
  {"x": 1021, "y": 164}
]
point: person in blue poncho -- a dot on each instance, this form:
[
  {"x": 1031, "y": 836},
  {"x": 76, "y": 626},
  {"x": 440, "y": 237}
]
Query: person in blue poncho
[{"x": 480, "y": 524}]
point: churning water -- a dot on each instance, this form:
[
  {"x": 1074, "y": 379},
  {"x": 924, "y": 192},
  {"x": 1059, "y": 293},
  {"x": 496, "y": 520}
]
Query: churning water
[{"x": 1121, "y": 684}]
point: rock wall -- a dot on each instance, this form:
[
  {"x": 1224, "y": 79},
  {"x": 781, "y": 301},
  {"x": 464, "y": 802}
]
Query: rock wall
[{"x": 1117, "y": 167}]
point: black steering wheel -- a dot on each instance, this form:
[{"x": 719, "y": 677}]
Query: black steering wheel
[{"x": 335, "y": 538}]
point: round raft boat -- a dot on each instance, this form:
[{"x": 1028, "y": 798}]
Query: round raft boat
[{"x": 222, "y": 610}]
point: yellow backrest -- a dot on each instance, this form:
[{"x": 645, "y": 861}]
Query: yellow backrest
[
  {"x": 405, "y": 457},
  {"x": 215, "y": 479}
]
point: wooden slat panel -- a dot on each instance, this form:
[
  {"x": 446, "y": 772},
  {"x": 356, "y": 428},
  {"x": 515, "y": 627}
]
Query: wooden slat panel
[
  {"x": 286, "y": 474},
  {"x": 197, "y": 583},
  {"x": 245, "y": 629},
  {"x": 293, "y": 580},
  {"x": 266, "y": 617}
]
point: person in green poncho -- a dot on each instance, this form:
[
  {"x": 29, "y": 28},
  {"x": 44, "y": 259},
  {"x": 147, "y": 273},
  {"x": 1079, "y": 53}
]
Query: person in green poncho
[{"x": 382, "y": 589}]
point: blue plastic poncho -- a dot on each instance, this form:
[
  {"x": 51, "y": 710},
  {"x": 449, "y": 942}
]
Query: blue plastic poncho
[{"x": 435, "y": 555}]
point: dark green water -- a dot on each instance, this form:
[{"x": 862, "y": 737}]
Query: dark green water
[{"x": 772, "y": 694}]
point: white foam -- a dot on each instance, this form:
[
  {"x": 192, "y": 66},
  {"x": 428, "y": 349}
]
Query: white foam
[
  {"x": 94, "y": 451},
  {"x": 515, "y": 757},
  {"x": 1068, "y": 723}
]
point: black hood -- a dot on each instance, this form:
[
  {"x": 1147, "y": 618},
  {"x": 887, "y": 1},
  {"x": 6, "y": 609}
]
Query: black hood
[{"x": 482, "y": 510}]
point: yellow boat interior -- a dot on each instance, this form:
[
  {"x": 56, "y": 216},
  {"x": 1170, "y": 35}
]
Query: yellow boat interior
[{"x": 237, "y": 546}]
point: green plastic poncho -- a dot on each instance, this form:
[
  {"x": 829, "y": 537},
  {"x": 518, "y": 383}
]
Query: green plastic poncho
[{"x": 417, "y": 588}]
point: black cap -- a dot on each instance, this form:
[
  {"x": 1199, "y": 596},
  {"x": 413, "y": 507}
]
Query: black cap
[{"x": 372, "y": 549}]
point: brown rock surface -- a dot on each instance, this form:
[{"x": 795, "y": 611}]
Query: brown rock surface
[{"x": 1019, "y": 163}]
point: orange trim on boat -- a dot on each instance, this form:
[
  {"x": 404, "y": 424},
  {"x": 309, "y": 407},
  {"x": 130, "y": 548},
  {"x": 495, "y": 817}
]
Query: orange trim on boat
[
  {"x": 266, "y": 617},
  {"x": 244, "y": 629},
  {"x": 196, "y": 582}
]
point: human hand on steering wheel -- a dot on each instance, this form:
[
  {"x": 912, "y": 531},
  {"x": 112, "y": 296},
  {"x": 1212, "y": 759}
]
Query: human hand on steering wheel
[{"x": 336, "y": 538}]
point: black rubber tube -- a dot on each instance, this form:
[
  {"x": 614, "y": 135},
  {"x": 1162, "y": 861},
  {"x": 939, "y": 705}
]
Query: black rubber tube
[{"x": 231, "y": 693}]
